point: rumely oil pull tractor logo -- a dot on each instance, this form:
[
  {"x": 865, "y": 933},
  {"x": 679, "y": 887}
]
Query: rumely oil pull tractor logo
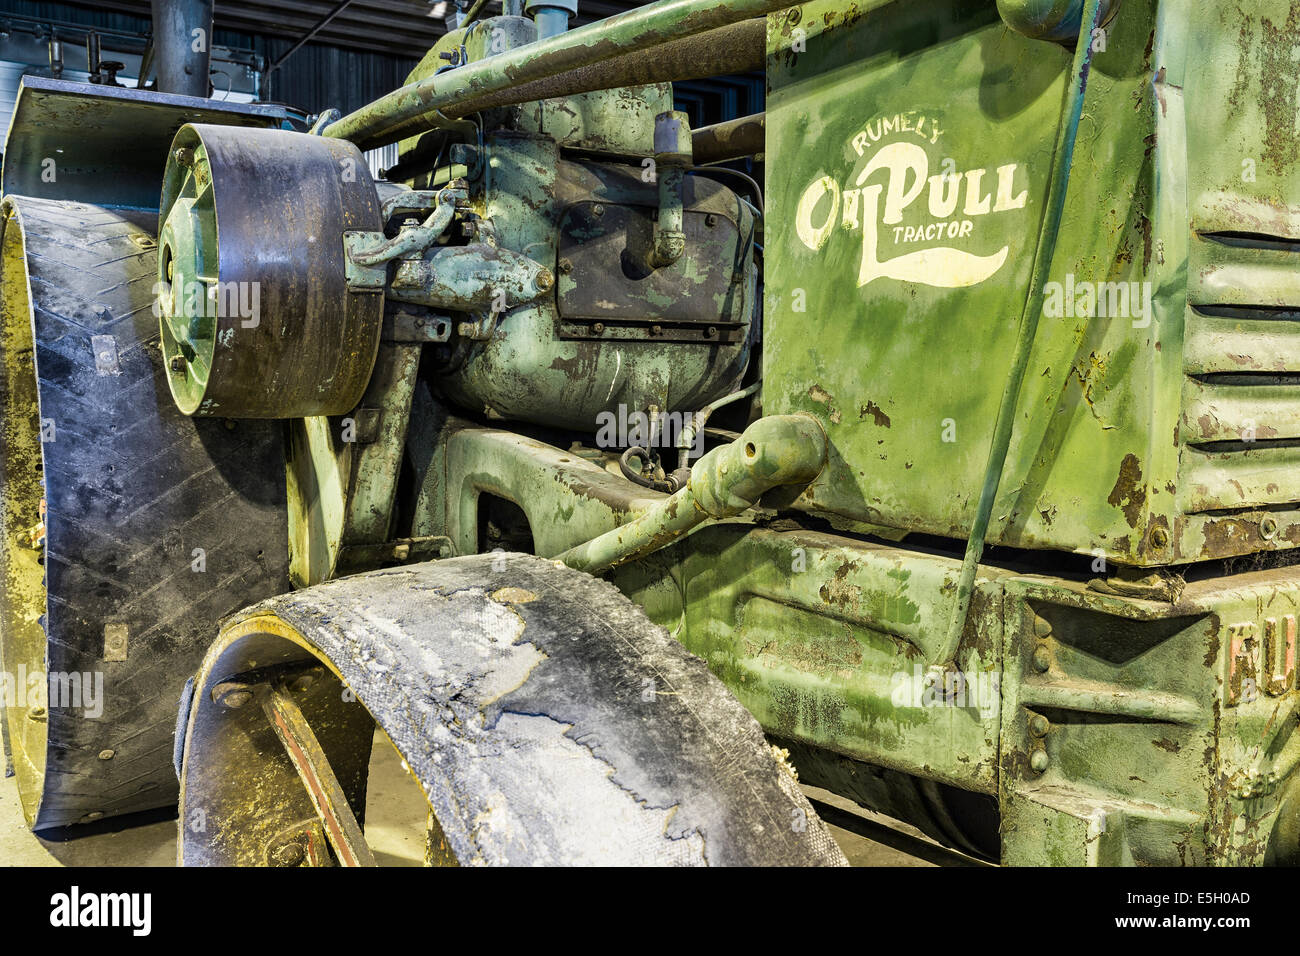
[{"x": 888, "y": 188}]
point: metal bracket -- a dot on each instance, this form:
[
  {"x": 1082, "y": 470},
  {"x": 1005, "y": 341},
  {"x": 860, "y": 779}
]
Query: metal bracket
[
  {"x": 363, "y": 278},
  {"x": 414, "y": 327}
]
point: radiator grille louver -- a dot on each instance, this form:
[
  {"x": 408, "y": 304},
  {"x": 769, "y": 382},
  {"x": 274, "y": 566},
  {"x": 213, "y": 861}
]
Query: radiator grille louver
[{"x": 1240, "y": 423}]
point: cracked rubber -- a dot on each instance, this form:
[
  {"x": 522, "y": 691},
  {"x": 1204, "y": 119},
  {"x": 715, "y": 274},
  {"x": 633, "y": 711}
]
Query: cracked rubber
[
  {"x": 133, "y": 488},
  {"x": 548, "y": 721}
]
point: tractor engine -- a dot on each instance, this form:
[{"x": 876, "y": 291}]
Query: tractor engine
[{"x": 564, "y": 257}]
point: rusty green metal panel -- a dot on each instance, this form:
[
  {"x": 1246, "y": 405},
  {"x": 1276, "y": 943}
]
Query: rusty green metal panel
[
  {"x": 1108, "y": 729},
  {"x": 1174, "y": 454},
  {"x": 1140, "y": 732}
]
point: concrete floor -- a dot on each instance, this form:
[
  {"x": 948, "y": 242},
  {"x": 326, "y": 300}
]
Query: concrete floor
[{"x": 395, "y": 811}]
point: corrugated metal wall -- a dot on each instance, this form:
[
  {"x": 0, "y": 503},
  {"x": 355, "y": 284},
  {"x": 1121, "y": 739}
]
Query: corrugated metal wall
[
  {"x": 10, "y": 74},
  {"x": 313, "y": 79},
  {"x": 316, "y": 78}
]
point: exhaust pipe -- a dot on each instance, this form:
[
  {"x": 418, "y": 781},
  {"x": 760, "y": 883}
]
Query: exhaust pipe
[{"x": 182, "y": 45}]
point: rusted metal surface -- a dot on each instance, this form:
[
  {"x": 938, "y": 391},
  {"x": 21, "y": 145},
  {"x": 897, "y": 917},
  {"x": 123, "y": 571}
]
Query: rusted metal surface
[
  {"x": 734, "y": 139},
  {"x": 698, "y": 290},
  {"x": 308, "y": 758}
]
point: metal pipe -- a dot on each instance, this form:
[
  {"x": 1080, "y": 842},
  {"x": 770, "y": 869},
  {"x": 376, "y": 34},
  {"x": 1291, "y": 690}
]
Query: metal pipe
[
  {"x": 146, "y": 64},
  {"x": 454, "y": 91},
  {"x": 181, "y": 67},
  {"x": 1059, "y": 184},
  {"x": 92, "y": 53},
  {"x": 777, "y": 450},
  {"x": 736, "y": 48},
  {"x": 734, "y": 139},
  {"x": 416, "y": 238},
  {"x": 551, "y": 16},
  {"x": 692, "y": 429}
]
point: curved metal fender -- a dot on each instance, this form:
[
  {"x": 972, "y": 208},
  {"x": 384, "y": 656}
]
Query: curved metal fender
[{"x": 546, "y": 718}]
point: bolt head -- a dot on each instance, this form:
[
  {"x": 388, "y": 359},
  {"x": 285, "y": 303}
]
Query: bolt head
[
  {"x": 107, "y": 754},
  {"x": 289, "y": 854},
  {"x": 177, "y": 363},
  {"x": 234, "y": 699}
]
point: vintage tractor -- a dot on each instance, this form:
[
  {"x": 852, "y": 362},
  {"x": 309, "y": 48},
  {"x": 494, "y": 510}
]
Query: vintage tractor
[{"x": 953, "y": 465}]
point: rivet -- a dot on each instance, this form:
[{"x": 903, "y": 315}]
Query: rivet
[
  {"x": 1039, "y": 725},
  {"x": 1042, "y": 626},
  {"x": 1159, "y": 538},
  {"x": 1267, "y": 527},
  {"x": 1039, "y": 761},
  {"x": 177, "y": 363},
  {"x": 1042, "y": 660},
  {"x": 106, "y": 754}
]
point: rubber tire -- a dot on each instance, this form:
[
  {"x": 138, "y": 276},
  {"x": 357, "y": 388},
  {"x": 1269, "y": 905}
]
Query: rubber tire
[{"x": 132, "y": 489}]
